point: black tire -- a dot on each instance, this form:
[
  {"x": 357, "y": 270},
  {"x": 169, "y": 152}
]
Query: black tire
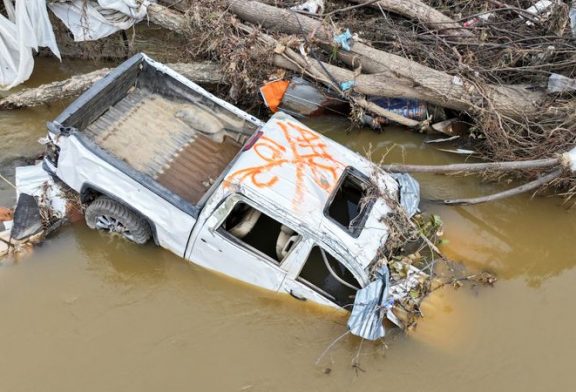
[{"x": 110, "y": 216}]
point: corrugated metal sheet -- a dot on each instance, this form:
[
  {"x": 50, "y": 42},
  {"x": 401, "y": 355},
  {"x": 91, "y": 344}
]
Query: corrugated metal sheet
[{"x": 197, "y": 166}]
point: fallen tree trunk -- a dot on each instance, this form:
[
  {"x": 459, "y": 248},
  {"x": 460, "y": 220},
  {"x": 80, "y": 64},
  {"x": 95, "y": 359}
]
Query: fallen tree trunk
[
  {"x": 475, "y": 167},
  {"x": 413, "y": 79},
  {"x": 415, "y": 9},
  {"x": 530, "y": 186},
  {"x": 208, "y": 73},
  {"x": 177, "y": 22},
  {"x": 167, "y": 18},
  {"x": 51, "y": 92},
  {"x": 394, "y": 76},
  {"x": 297, "y": 63}
]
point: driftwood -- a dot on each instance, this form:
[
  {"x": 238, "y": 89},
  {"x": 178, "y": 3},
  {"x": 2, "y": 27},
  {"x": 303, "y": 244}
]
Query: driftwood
[
  {"x": 530, "y": 186},
  {"x": 474, "y": 167},
  {"x": 291, "y": 60},
  {"x": 560, "y": 164},
  {"x": 51, "y": 92},
  {"x": 177, "y": 22},
  {"x": 167, "y": 18},
  {"x": 415, "y": 9},
  {"x": 410, "y": 79},
  {"x": 206, "y": 72},
  {"x": 388, "y": 75}
]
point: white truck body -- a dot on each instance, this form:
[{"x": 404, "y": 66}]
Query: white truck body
[{"x": 283, "y": 183}]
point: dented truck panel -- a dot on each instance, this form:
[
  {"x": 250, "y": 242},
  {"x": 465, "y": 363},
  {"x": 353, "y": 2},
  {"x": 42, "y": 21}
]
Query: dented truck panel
[{"x": 296, "y": 170}]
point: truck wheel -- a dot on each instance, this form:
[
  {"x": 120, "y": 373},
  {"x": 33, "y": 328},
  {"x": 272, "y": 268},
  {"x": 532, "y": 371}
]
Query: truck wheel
[{"x": 108, "y": 215}]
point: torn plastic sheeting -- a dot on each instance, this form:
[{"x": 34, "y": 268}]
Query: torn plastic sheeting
[
  {"x": 95, "y": 19},
  {"x": 35, "y": 181},
  {"x": 409, "y": 108},
  {"x": 559, "y": 83},
  {"x": 539, "y": 7},
  {"x": 570, "y": 159},
  {"x": 311, "y": 7},
  {"x": 370, "y": 305},
  {"x": 409, "y": 192},
  {"x": 26, "y": 28},
  {"x": 347, "y": 85},
  {"x": 343, "y": 40}
]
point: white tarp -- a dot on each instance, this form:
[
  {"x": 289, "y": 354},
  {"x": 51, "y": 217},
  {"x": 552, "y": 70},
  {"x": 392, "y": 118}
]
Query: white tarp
[
  {"x": 25, "y": 28},
  {"x": 35, "y": 181},
  {"x": 94, "y": 19}
]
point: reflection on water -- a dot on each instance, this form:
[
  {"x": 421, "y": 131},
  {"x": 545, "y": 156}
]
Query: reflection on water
[{"x": 90, "y": 312}]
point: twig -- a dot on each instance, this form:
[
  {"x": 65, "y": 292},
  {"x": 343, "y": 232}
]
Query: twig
[
  {"x": 7, "y": 182},
  {"x": 330, "y": 346},
  {"x": 352, "y": 7}
]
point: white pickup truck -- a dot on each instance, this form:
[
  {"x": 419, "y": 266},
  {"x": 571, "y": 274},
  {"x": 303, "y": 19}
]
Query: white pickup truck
[{"x": 277, "y": 205}]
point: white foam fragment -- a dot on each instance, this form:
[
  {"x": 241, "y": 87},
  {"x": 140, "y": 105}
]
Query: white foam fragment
[{"x": 570, "y": 159}]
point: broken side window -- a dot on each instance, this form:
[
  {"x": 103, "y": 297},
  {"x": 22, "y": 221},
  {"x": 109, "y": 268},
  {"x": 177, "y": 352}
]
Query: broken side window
[
  {"x": 260, "y": 233},
  {"x": 330, "y": 278},
  {"x": 349, "y": 205}
]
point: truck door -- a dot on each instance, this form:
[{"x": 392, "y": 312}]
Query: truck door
[
  {"x": 321, "y": 277},
  {"x": 243, "y": 242}
]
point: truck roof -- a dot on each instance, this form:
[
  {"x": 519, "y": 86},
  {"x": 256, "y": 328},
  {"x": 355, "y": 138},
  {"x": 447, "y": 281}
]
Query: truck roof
[{"x": 297, "y": 171}]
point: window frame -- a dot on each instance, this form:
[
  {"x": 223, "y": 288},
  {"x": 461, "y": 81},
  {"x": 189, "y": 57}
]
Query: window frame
[
  {"x": 238, "y": 242},
  {"x": 350, "y": 171},
  {"x": 312, "y": 286}
]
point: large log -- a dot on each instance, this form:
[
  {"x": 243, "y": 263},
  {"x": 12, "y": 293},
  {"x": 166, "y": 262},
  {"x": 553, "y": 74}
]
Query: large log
[
  {"x": 413, "y": 80},
  {"x": 51, "y": 92},
  {"x": 205, "y": 72},
  {"x": 396, "y": 76},
  {"x": 167, "y": 18},
  {"x": 415, "y": 9}
]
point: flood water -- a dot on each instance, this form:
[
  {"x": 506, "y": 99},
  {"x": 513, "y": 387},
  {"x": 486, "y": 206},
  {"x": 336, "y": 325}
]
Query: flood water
[{"x": 92, "y": 313}]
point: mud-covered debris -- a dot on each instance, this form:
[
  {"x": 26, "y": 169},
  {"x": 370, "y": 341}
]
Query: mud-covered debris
[
  {"x": 27, "y": 218},
  {"x": 483, "y": 278},
  {"x": 43, "y": 205}
]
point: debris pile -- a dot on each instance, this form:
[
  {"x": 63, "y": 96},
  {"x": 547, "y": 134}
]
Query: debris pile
[
  {"x": 42, "y": 206},
  {"x": 497, "y": 77}
]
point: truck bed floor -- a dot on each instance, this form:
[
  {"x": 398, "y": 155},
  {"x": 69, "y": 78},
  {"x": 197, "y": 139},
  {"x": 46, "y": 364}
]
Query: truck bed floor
[{"x": 143, "y": 131}]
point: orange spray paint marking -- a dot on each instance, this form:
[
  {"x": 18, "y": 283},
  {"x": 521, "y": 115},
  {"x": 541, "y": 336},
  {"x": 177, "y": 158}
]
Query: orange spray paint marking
[{"x": 306, "y": 152}]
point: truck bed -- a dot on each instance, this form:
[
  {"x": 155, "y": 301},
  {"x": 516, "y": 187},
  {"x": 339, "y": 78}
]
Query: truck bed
[{"x": 165, "y": 139}]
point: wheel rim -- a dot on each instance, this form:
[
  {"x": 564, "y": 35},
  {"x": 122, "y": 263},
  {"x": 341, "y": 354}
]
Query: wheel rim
[{"x": 113, "y": 225}]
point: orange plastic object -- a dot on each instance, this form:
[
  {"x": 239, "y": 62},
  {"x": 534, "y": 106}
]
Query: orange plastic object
[{"x": 273, "y": 93}]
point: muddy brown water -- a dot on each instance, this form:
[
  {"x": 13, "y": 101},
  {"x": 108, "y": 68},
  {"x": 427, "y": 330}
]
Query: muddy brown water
[{"x": 93, "y": 313}]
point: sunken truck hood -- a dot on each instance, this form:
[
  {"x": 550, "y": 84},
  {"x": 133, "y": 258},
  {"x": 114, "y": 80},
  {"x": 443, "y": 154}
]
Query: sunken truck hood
[{"x": 296, "y": 171}]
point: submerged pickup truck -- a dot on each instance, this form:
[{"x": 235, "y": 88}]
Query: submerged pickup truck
[{"x": 277, "y": 205}]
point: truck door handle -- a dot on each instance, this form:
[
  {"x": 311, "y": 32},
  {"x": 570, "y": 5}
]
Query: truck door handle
[
  {"x": 209, "y": 245},
  {"x": 297, "y": 296}
]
